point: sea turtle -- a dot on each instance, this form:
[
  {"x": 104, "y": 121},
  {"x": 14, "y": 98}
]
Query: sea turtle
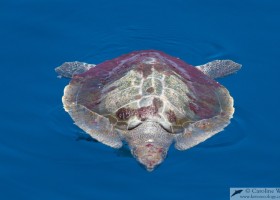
[{"x": 149, "y": 100}]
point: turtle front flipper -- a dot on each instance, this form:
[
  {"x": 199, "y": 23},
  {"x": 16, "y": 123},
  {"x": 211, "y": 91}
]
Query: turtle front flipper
[
  {"x": 201, "y": 130},
  {"x": 97, "y": 126},
  {"x": 69, "y": 69},
  {"x": 219, "y": 68}
]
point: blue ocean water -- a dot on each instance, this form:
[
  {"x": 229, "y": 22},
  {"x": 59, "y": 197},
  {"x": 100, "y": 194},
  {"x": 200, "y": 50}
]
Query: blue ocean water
[{"x": 45, "y": 156}]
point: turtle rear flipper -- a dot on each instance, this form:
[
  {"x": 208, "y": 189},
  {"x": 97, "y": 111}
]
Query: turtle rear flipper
[
  {"x": 219, "y": 68},
  {"x": 69, "y": 69}
]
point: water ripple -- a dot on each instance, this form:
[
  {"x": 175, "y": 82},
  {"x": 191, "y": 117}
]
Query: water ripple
[
  {"x": 125, "y": 39},
  {"x": 234, "y": 133}
]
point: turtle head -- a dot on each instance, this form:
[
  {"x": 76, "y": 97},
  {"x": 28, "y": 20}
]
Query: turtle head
[
  {"x": 149, "y": 144},
  {"x": 150, "y": 154}
]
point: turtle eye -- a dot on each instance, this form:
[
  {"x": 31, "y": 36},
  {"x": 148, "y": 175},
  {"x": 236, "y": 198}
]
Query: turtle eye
[
  {"x": 166, "y": 127},
  {"x": 133, "y": 125}
]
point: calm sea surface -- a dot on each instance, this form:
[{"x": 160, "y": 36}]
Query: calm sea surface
[{"x": 44, "y": 156}]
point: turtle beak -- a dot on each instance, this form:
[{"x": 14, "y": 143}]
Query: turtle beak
[{"x": 150, "y": 155}]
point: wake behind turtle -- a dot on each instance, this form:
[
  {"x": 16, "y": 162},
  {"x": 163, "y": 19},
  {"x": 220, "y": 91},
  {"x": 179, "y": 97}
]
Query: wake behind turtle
[{"x": 149, "y": 100}]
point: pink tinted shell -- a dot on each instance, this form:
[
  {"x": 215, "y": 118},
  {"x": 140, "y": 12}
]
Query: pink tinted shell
[{"x": 202, "y": 93}]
